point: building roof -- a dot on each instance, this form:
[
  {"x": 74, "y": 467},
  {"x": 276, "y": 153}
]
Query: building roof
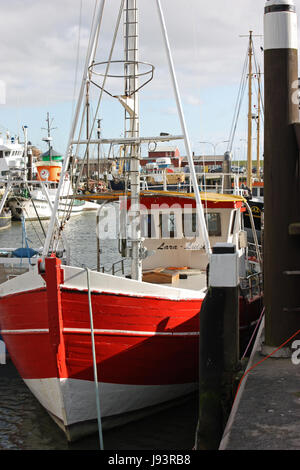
[{"x": 206, "y": 158}]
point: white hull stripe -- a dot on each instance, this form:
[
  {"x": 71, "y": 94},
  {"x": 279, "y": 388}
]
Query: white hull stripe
[
  {"x": 23, "y": 332},
  {"x": 104, "y": 332},
  {"x": 130, "y": 333}
]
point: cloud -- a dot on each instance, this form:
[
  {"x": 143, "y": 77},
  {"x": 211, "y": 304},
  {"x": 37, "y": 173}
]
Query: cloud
[
  {"x": 2, "y": 92},
  {"x": 39, "y": 44}
]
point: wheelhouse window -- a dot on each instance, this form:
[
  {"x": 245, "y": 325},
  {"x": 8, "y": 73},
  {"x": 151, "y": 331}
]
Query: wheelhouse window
[
  {"x": 189, "y": 225},
  {"x": 167, "y": 223},
  {"x": 1, "y": 153},
  {"x": 233, "y": 223},
  {"x": 148, "y": 228},
  {"x": 213, "y": 223}
]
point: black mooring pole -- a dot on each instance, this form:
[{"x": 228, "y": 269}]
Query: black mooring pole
[
  {"x": 281, "y": 174},
  {"x": 219, "y": 346}
]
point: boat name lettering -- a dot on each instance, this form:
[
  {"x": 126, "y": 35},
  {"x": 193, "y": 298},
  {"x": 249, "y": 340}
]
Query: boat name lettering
[{"x": 163, "y": 246}]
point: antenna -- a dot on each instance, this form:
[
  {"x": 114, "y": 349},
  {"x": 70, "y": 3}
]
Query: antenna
[{"x": 48, "y": 139}]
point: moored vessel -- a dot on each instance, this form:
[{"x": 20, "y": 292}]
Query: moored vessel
[
  {"x": 33, "y": 199},
  {"x": 111, "y": 347}
]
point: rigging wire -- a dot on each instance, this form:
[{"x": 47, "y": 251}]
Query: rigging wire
[
  {"x": 57, "y": 230},
  {"x": 241, "y": 93},
  {"x": 99, "y": 101},
  {"x": 239, "y": 101},
  {"x": 77, "y": 58},
  {"x": 257, "y": 68}
]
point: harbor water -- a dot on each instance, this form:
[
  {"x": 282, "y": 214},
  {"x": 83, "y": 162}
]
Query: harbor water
[{"x": 24, "y": 423}]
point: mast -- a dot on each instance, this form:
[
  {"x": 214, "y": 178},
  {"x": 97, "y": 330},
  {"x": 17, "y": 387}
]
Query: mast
[
  {"x": 25, "y": 130},
  {"x": 48, "y": 139},
  {"x": 258, "y": 127},
  {"x": 131, "y": 103},
  {"x": 98, "y": 147},
  {"x": 249, "y": 153},
  {"x": 87, "y": 104}
]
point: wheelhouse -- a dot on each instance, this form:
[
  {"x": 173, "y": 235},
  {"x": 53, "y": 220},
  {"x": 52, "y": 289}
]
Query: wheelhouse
[{"x": 171, "y": 232}]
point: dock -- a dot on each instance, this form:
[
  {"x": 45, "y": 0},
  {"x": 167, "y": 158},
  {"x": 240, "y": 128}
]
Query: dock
[{"x": 266, "y": 411}]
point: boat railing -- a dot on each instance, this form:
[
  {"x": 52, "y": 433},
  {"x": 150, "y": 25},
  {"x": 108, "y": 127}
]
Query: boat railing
[
  {"x": 118, "y": 266},
  {"x": 252, "y": 286},
  {"x": 207, "y": 182},
  {"x": 252, "y": 251}
]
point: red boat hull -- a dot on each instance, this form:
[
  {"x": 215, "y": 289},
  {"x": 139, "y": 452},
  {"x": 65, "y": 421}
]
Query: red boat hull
[{"x": 146, "y": 346}]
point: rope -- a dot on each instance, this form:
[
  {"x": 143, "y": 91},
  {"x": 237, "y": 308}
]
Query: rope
[
  {"x": 264, "y": 359},
  {"x": 94, "y": 361},
  {"x": 24, "y": 238},
  {"x": 35, "y": 210},
  {"x": 228, "y": 428},
  {"x": 254, "y": 332}
]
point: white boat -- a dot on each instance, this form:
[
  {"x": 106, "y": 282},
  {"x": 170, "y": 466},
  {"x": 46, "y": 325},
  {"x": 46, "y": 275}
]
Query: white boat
[
  {"x": 33, "y": 200},
  {"x": 35, "y": 205},
  {"x": 11, "y": 157}
]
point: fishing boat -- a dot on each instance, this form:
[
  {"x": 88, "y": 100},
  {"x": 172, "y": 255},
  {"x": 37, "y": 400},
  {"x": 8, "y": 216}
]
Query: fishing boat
[
  {"x": 255, "y": 199},
  {"x": 146, "y": 332},
  {"x": 113, "y": 348},
  {"x": 33, "y": 199}
]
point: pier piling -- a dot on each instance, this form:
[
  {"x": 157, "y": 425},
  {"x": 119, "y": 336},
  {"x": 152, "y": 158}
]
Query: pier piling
[
  {"x": 281, "y": 173},
  {"x": 219, "y": 346}
]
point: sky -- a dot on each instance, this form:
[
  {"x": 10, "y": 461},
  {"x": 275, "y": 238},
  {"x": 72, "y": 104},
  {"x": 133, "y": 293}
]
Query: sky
[{"x": 43, "y": 45}]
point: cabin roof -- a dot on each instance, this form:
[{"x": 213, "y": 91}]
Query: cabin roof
[
  {"x": 205, "y": 196},
  {"x": 171, "y": 197},
  {"x": 51, "y": 153}
]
